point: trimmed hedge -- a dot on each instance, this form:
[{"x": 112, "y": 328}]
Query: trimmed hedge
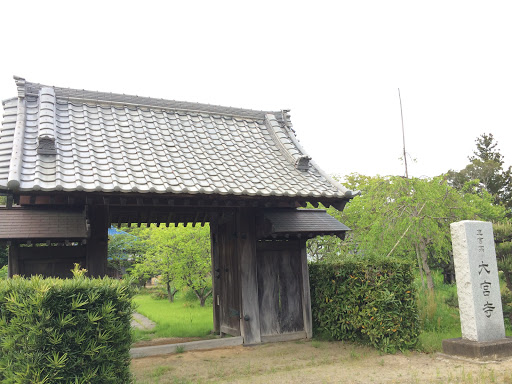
[
  {"x": 65, "y": 331},
  {"x": 367, "y": 301}
]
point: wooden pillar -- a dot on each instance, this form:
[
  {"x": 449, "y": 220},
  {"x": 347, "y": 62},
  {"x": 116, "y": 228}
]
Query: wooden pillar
[
  {"x": 97, "y": 244},
  {"x": 246, "y": 247},
  {"x": 306, "y": 293},
  {"x": 215, "y": 275},
  {"x": 13, "y": 260}
]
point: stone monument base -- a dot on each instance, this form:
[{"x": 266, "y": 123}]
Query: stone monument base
[{"x": 484, "y": 350}]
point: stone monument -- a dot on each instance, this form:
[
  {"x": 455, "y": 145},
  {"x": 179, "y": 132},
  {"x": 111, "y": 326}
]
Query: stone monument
[{"x": 478, "y": 290}]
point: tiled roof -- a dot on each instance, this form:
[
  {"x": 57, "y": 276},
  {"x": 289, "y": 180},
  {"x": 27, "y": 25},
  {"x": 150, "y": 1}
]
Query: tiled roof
[
  {"x": 57, "y": 139},
  {"x": 313, "y": 221},
  {"x": 42, "y": 224}
]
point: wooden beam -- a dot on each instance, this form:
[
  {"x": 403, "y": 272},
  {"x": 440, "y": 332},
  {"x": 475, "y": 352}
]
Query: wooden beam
[
  {"x": 196, "y": 219},
  {"x": 13, "y": 266},
  {"x": 10, "y": 201},
  {"x": 246, "y": 245},
  {"x": 306, "y": 293},
  {"x": 32, "y": 199},
  {"x": 97, "y": 246},
  {"x": 170, "y": 215},
  {"x": 215, "y": 276}
]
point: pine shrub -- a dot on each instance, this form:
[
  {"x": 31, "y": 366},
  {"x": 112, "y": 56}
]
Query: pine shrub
[
  {"x": 366, "y": 301},
  {"x": 65, "y": 330}
]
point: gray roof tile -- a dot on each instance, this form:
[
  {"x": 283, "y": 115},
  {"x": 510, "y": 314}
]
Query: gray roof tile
[{"x": 108, "y": 142}]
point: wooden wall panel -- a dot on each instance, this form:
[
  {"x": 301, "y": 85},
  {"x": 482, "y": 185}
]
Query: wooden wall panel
[
  {"x": 268, "y": 292},
  {"x": 49, "y": 261},
  {"x": 246, "y": 249},
  {"x": 280, "y": 287},
  {"x": 291, "y": 316},
  {"x": 229, "y": 279}
]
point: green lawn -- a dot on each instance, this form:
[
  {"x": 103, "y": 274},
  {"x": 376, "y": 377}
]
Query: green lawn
[
  {"x": 183, "y": 318},
  {"x": 439, "y": 315}
]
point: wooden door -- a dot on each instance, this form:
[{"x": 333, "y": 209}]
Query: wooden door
[{"x": 280, "y": 287}]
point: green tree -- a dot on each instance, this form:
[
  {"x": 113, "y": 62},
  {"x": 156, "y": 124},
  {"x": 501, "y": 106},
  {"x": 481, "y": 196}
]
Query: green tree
[
  {"x": 161, "y": 258},
  {"x": 195, "y": 263},
  {"x": 180, "y": 256},
  {"x": 410, "y": 217},
  {"x": 487, "y": 167},
  {"x": 503, "y": 240},
  {"x": 123, "y": 249}
]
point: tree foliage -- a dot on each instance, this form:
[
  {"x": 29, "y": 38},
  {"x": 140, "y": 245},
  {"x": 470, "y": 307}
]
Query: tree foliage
[
  {"x": 409, "y": 217},
  {"x": 3, "y": 255},
  {"x": 123, "y": 249},
  {"x": 180, "y": 256},
  {"x": 486, "y": 167},
  {"x": 503, "y": 239}
]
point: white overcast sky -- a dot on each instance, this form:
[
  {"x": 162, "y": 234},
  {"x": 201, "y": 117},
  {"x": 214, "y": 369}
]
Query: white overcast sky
[{"x": 336, "y": 64}]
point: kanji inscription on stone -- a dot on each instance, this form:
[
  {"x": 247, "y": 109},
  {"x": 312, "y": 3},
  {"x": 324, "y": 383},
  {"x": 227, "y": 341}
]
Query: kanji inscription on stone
[{"x": 478, "y": 288}]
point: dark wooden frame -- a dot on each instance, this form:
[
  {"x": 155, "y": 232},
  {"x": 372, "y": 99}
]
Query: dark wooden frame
[{"x": 238, "y": 240}]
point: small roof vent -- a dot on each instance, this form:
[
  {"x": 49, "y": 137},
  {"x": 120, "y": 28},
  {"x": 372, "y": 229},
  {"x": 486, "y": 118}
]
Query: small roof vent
[{"x": 302, "y": 163}]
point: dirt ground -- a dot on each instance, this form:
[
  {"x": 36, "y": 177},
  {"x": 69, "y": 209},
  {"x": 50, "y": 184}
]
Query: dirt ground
[{"x": 314, "y": 362}]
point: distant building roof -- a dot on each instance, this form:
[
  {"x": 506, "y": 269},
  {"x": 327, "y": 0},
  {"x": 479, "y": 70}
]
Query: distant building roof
[
  {"x": 112, "y": 231},
  {"x": 42, "y": 224},
  {"x": 58, "y": 139}
]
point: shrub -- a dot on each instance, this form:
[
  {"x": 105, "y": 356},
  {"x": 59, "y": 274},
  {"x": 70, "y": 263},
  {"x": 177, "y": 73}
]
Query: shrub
[
  {"x": 368, "y": 301},
  {"x": 3, "y": 272},
  {"x": 65, "y": 331}
]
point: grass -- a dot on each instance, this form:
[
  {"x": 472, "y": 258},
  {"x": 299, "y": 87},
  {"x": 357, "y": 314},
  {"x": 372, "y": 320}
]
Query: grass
[
  {"x": 439, "y": 314},
  {"x": 183, "y": 318}
]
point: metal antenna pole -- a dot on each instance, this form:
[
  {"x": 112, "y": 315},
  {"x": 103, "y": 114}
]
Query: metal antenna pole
[{"x": 403, "y": 134}]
